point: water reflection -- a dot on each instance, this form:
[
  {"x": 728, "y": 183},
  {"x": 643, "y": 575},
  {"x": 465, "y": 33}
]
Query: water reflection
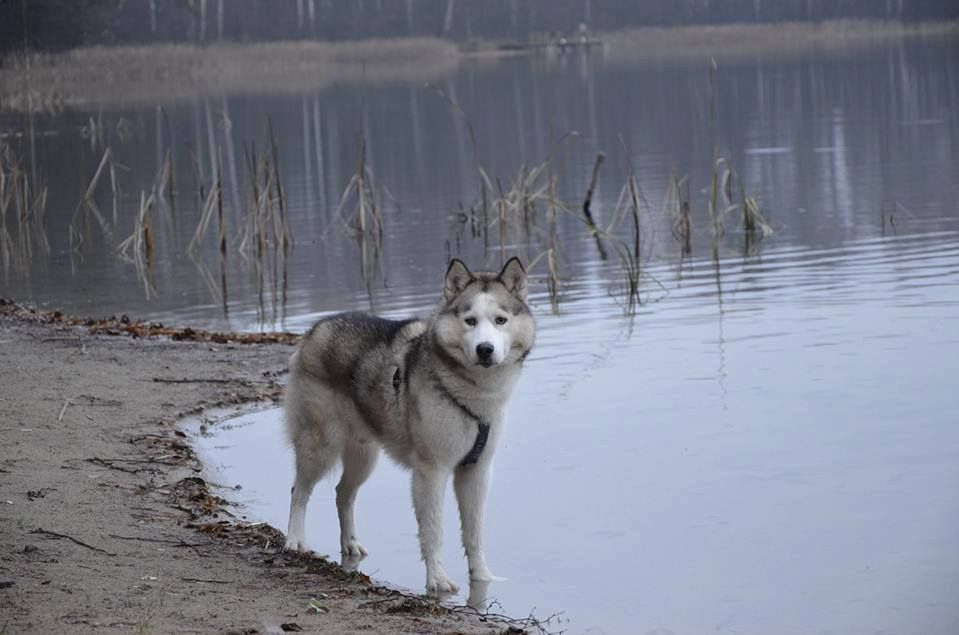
[
  {"x": 477, "y": 596},
  {"x": 823, "y": 144}
]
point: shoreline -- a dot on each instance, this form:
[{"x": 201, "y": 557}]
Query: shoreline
[
  {"x": 109, "y": 520},
  {"x": 780, "y": 39},
  {"x": 167, "y": 73},
  {"x": 170, "y": 73}
]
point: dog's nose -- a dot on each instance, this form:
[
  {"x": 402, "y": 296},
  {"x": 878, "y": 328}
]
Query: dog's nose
[{"x": 484, "y": 350}]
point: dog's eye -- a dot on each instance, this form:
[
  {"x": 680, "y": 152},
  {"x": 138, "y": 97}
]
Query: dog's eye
[
  {"x": 500, "y": 320},
  {"x": 470, "y": 321}
]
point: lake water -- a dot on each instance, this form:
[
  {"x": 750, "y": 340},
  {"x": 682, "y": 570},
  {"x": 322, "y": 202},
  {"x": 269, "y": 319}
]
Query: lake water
[{"x": 768, "y": 444}]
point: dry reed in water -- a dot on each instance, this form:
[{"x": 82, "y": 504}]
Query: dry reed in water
[
  {"x": 630, "y": 253},
  {"x": 484, "y": 183},
  {"x": 362, "y": 197},
  {"x": 365, "y": 221},
  {"x": 676, "y": 208},
  {"x": 88, "y": 205},
  {"x": 265, "y": 222},
  {"x": 138, "y": 246},
  {"x": 26, "y": 200}
]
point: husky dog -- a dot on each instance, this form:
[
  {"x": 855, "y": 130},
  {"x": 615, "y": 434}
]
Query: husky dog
[{"x": 432, "y": 393}]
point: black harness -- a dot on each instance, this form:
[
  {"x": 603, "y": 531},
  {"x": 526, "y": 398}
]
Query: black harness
[{"x": 482, "y": 432}]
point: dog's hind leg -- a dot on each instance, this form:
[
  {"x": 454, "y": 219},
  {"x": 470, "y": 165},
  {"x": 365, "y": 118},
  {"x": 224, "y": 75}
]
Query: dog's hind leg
[
  {"x": 311, "y": 465},
  {"x": 358, "y": 461},
  {"x": 470, "y": 483}
]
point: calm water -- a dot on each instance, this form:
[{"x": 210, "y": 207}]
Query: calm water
[{"x": 768, "y": 445}]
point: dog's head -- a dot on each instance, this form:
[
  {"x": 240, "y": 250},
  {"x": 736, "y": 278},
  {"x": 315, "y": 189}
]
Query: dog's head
[{"x": 484, "y": 320}]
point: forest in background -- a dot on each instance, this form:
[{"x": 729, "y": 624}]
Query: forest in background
[{"x": 55, "y": 25}]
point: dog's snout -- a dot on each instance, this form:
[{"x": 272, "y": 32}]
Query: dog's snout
[{"x": 484, "y": 350}]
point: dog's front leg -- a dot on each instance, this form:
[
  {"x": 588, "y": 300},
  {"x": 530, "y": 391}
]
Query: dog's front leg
[
  {"x": 470, "y": 483},
  {"x": 428, "y": 486}
]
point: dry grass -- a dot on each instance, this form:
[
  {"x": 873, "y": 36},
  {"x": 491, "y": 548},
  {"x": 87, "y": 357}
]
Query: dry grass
[
  {"x": 26, "y": 202},
  {"x": 138, "y": 246},
  {"x": 361, "y": 214},
  {"x": 732, "y": 40},
  {"x": 366, "y": 220},
  {"x": 167, "y": 73}
]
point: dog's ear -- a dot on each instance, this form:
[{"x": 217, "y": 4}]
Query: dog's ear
[
  {"x": 457, "y": 277},
  {"x": 514, "y": 277}
]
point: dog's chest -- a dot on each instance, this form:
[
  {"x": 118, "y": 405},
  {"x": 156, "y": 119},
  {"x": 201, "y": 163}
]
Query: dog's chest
[{"x": 452, "y": 427}]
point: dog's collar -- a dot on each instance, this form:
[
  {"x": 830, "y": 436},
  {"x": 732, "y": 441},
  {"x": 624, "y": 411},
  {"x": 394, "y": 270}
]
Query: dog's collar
[{"x": 483, "y": 426}]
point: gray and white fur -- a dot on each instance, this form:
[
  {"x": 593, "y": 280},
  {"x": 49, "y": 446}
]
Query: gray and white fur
[{"x": 432, "y": 393}]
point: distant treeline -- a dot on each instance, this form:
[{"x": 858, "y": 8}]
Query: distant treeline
[{"x": 64, "y": 24}]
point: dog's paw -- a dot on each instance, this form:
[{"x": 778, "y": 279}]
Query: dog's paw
[
  {"x": 294, "y": 543},
  {"x": 350, "y": 563},
  {"x": 479, "y": 572},
  {"x": 351, "y": 547},
  {"x": 439, "y": 583},
  {"x": 482, "y": 574}
]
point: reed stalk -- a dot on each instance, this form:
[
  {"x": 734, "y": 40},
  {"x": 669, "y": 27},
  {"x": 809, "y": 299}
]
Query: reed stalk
[
  {"x": 26, "y": 201},
  {"x": 88, "y": 205},
  {"x": 138, "y": 247},
  {"x": 587, "y": 213}
]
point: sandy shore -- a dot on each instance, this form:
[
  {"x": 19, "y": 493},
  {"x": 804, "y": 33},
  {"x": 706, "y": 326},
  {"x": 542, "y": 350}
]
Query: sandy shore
[
  {"x": 171, "y": 73},
  {"x": 731, "y": 41},
  {"x": 106, "y": 522}
]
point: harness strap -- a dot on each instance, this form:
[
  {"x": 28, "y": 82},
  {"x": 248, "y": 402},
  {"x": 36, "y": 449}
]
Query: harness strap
[{"x": 482, "y": 432}]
